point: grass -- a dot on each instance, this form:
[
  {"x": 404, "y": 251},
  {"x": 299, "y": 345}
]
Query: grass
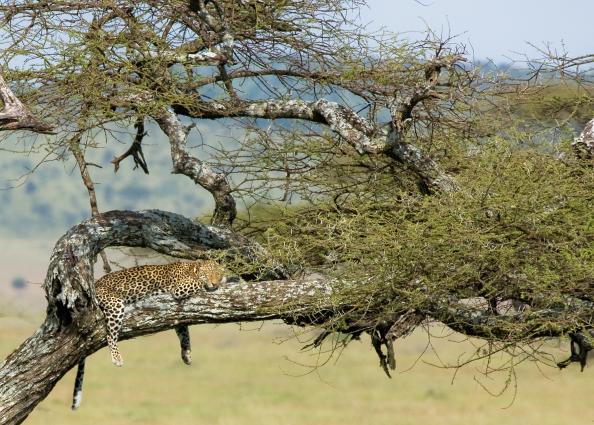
[{"x": 246, "y": 376}]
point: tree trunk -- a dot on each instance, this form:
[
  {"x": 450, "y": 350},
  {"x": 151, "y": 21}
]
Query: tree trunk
[
  {"x": 74, "y": 326},
  {"x": 30, "y": 372}
]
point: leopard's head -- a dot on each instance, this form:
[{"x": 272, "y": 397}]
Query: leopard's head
[{"x": 212, "y": 272}]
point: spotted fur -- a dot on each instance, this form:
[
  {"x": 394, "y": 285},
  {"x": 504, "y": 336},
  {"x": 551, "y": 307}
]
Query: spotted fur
[{"x": 116, "y": 290}]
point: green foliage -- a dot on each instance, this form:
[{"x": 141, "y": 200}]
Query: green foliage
[
  {"x": 521, "y": 228},
  {"x": 557, "y": 102},
  {"x": 271, "y": 383}
]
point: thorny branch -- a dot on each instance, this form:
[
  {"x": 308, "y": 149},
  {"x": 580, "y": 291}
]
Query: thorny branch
[
  {"x": 79, "y": 156},
  {"x": 139, "y": 59}
]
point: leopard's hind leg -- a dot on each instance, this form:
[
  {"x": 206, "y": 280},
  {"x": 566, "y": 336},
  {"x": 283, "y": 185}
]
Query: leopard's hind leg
[
  {"x": 114, "y": 316},
  {"x": 184, "y": 342}
]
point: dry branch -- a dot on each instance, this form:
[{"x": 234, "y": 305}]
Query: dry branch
[
  {"x": 199, "y": 171},
  {"x": 16, "y": 116},
  {"x": 135, "y": 149}
]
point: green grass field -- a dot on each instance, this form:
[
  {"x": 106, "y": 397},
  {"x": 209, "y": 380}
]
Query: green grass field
[{"x": 247, "y": 376}]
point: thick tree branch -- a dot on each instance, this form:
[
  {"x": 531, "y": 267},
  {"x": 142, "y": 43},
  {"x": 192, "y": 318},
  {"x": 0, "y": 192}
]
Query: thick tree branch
[
  {"x": 74, "y": 325},
  {"x": 199, "y": 171},
  {"x": 363, "y": 135},
  {"x": 69, "y": 282},
  {"x": 584, "y": 143},
  {"x": 29, "y": 374}
]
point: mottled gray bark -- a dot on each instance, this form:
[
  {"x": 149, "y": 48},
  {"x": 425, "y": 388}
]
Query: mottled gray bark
[
  {"x": 74, "y": 329},
  {"x": 30, "y": 372},
  {"x": 366, "y": 137},
  {"x": 199, "y": 171},
  {"x": 584, "y": 143}
]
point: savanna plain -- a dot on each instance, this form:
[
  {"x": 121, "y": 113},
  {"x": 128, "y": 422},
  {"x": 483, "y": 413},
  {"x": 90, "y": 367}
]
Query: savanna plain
[{"x": 257, "y": 374}]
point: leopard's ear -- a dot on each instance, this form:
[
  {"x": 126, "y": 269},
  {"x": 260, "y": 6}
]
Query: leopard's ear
[{"x": 195, "y": 267}]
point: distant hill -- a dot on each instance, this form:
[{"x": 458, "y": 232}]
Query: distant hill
[{"x": 52, "y": 198}]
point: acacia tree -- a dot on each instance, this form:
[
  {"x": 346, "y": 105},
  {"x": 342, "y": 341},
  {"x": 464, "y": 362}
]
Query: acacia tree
[{"x": 407, "y": 206}]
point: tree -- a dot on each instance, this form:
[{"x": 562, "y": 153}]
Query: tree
[{"x": 399, "y": 195}]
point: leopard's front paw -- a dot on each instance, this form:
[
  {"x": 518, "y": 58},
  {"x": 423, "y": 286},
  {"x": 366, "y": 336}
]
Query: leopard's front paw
[
  {"x": 210, "y": 287},
  {"x": 117, "y": 360}
]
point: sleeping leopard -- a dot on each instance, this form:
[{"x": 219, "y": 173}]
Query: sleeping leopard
[{"x": 116, "y": 290}]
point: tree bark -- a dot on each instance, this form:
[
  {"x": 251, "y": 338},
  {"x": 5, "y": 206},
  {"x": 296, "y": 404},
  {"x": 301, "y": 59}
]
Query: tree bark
[
  {"x": 199, "y": 171},
  {"x": 15, "y": 116},
  {"x": 366, "y": 137},
  {"x": 584, "y": 143},
  {"x": 30, "y": 372},
  {"x": 74, "y": 329},
  {"x": 74, "y": 326}
]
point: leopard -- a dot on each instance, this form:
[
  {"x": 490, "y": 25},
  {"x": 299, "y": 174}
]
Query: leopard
[{"x": 114, "y": 291}]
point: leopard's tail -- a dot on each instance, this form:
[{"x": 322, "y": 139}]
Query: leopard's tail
[{"x": 78, "y": 383}]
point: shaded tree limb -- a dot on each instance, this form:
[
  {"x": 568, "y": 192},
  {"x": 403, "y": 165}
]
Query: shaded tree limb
[{"x": 580, "y": 344}]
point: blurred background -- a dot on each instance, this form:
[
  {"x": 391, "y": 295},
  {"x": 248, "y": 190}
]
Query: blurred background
[{"x": 256, "y": 373}]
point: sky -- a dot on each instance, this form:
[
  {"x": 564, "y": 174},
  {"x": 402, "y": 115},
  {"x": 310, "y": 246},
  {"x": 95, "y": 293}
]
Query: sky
[{"x": 494, "y": 29}]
